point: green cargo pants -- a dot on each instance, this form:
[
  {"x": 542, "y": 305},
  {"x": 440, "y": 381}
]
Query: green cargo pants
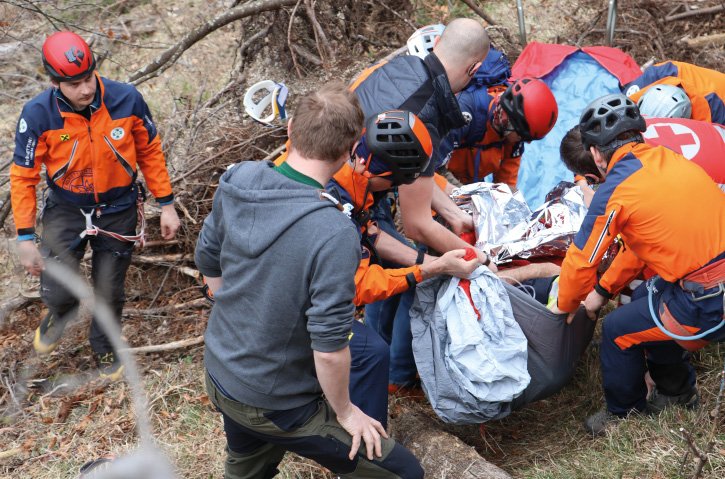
[{"x": 258, "y": 438}]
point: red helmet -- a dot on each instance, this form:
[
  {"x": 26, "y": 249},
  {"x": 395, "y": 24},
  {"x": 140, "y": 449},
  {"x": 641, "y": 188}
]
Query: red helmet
[
  {"x": 67, "y": 57},
  {"x": 531, "y": 108}
]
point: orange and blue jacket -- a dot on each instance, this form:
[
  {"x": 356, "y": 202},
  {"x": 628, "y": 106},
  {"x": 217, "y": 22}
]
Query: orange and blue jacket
[
  {"x": 372, "y": 281},
  {"x": 669, "y": 212},
  {"x": 89, "y": 163},
  {"x": 704, "y": 87},
  {"x": 476, "y": 149}
]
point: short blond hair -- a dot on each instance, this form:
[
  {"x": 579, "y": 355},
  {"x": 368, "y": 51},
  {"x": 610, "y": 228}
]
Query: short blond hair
[{"x": 326, "y": 123}]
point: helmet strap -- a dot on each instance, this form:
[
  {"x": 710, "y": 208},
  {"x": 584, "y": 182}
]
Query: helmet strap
[
  {"x": 497, "y": 122},
  {"x": 616, "y": 144}
]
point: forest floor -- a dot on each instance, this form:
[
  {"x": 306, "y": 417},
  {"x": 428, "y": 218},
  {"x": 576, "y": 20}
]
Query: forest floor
[{"x": 55, "y": 414}]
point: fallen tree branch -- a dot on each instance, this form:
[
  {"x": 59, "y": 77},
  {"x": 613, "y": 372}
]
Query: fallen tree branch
[
  {"x": 479, "y": 12},
  {"x": 692, "y": 13},
  {"x": 441, "y": 454},
  {"x": 307, "y": 55},
  {"x": 715, "y": 39},
  {"x": 169, "y": 56},
  {"x": 162, "y": 258},
  {"x": 323, "y": 46},
  {"x": 274, "y": 154},
  {"x": 289, "y": 40},
  {"x": 194, "y": 303},
  {"x": 385, "y": 5},
  {"x": 13, "y": 304},
  {"x": 159, "y": 348},
  {"x": 10, "y": 453}
]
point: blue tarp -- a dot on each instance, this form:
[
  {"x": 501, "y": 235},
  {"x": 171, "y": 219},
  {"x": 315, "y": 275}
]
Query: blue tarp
[{"x": 576, "y": 82}]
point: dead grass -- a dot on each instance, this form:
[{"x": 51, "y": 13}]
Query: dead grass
[{"x": 56, "y": 429}]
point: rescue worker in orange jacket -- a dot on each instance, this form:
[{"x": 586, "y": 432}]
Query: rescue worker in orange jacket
[
  {"x": 671, "y": 216},
  {"x": 500, "y": 122},
  {"x": 398, "y": 140},
  {"x": 91, "y": 134},
  {"x": 399, "y": 147},
  {"x": 704, "y": 87},
  {"x": 700, "y": 142}
]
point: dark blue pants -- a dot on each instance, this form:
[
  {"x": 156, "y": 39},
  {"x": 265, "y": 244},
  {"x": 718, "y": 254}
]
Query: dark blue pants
[
  {"x": 632, "y": 344},
  {"x": 369, "y": 372},
  {"x": 62, "y": 224},
  {"x": 390, "y": 318}
]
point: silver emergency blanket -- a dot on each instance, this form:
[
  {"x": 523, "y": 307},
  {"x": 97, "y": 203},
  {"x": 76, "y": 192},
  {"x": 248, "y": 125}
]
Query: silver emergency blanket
[
  {"x": 506, "y": 228},
  {"x": 482, "y": 353},
  {"x": 553, "y": 350}
]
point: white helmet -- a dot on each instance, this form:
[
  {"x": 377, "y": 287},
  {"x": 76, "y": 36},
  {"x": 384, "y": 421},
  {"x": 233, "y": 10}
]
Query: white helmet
[
  {"x": 665, "y": 101},
  {"x": 271, "y": 104},
  {"x": 422, "y": 41}
]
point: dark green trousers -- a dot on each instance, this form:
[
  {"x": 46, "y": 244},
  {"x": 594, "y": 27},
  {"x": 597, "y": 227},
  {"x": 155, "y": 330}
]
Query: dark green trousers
[{"x": 258, "y": 438}]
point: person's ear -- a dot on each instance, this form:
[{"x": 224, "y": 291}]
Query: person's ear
[
  {"x": 289, "y": 127},
  {"x": 598, "y": 158}
]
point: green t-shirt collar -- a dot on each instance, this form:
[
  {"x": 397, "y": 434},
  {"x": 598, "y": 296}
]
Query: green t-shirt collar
[{"x": 295, "y": 175}]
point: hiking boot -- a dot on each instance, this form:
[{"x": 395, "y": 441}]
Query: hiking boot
[
  {"x": 48, "y": 334},
  {"x": 657, "y": 401},
  {"x": 109, "y": 366},
  {"x": 597, "y": 423}
]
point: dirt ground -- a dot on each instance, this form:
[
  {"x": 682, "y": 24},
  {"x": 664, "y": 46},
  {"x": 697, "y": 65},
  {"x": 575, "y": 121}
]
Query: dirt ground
[{"x": 55, "y": 415}]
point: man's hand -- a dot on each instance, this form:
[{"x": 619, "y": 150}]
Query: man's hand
[
  {"x": 554, "y": 308},
  {"x": 169, "y": 222},
  {"x": 593, "y": 303},
  {"x": 451, "y": 264},
  {"x": 463, "y": 222},
  {"x": 359, "y": 425},
  {"x": 30, "y": 257}
]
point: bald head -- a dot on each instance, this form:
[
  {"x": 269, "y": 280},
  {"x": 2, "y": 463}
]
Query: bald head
[
  {"x": 461, "y": 49},
  {"x": 463, "y": 41}
]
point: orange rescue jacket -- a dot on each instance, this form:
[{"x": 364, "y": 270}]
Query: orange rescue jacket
[
  {"x": 89, "y": 163},
  {"x": 669, "y": 212},
  {"x": 704, "y": 87}
]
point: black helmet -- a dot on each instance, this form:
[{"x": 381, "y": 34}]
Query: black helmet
[
  {"x": 607, "y": 117},
  {"x": 399, "y": 142}
]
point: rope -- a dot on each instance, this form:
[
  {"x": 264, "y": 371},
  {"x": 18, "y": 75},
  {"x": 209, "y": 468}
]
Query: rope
[
  {"x": 93, "y": 230},
  {"x": 655, "y": 317}
]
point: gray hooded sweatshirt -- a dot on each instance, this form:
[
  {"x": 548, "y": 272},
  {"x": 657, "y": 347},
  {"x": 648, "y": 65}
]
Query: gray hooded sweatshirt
[{"x": 287, "y": 258}]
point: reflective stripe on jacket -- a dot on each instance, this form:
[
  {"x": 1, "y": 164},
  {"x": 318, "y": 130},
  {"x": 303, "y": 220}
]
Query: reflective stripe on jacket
[
  {"x": 88, "y": 163},
  {"x": 669, "y": 212}
]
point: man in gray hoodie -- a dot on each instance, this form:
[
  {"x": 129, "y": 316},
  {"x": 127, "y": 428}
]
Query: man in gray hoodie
[{"x": 280, "y": 258}]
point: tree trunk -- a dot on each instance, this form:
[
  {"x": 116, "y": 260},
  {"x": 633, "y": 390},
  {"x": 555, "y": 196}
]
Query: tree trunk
[{"x": 442, "y": 455}]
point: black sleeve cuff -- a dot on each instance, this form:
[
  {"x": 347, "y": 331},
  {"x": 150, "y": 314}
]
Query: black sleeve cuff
[
  {"x": 599, "y": 289},
  {"x": 165, "y": 200},
  {"x": 26, "y": 231},
  {"x": 410, "y": 278}
]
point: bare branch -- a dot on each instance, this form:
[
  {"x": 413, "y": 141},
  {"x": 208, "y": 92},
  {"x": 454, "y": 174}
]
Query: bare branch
[
  {"x": 158, "y": 348},
  {"x": 479, "y": 12},
  {"x": 323, "y": 46},
  {"x": 692, "y": 13},
  {"x": 168, "y": 57},
  {"x": 289, "y": 39}
]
